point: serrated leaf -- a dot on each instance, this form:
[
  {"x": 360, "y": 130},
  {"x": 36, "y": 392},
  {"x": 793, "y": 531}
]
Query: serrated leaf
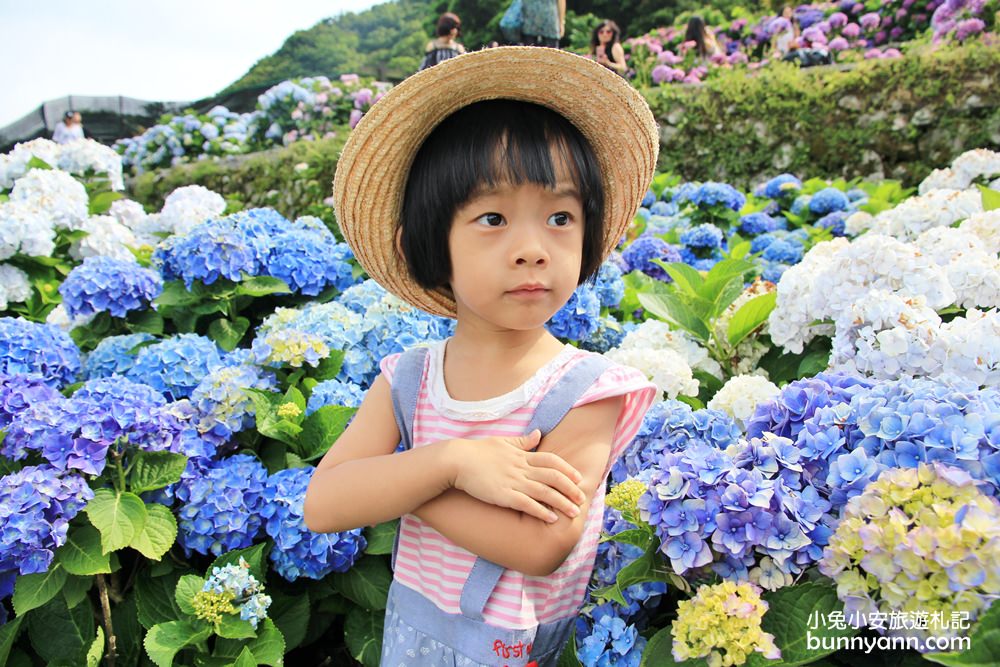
[
  {"x": 725, "y": 296},
  {"x": 245, "y": 659},
  {"x": 635, "y": 536},
  {"x": 157, "y": 534},
  {"x": 118, "y": 516},
  {"x": 8, "y": 634},
  {"x": 61, "y": 634},
  {"x": 34, "y": 590},
  {"x": 175, "y": 294},
  {"x": 290, "y": 614},
  {"x": 82, "y": 553},
  {"x": 268, "y": 648},
  {"x": 187, "y": 587},
  {"x": 101, "y": 202},
  {"x": 155, "y": 470},
  {"x": 788, "y": 619},
  {"x": 96, "y": 649},
  {"x": 329, "y": 367},
  {"x": 813, "y": 363},
  {"x": 254, "y": 556},
  {"x": 381, "y": 537},
  {"x": 228, "y": 334},
  {"x": 75, "y": 589},
  {"x": 367, "y": 583},
  {"x": 669, "y": 308},
  {"x": 233, "y": 627},
  {"x": 685, "y": 277},
  {"x": 262, "y": 286},
  {"x": 984, "y": 644},
  {"x": 363, "y": 635},
  {"x": 154, "y": 598},
  {"x": 658, "y": 652},
  {"x": 568, "y": 658},
  {"x": 164, "y": 640},
  {"x": 321, "y": 429},
  {"x": 750, "y": 315}
]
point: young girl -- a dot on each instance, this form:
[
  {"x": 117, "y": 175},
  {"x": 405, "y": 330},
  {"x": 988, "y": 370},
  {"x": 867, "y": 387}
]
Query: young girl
[{"x": 485, "y": 190}]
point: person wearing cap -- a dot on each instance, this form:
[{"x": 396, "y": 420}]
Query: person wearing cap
[
  {"x": 70, "y": 128},
  {"x": 482, "y": 190}
]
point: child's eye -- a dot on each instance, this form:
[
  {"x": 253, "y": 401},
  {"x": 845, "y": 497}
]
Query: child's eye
[
  {"x": 559, "y": 219},
  {"x": 491, "y": 220}
]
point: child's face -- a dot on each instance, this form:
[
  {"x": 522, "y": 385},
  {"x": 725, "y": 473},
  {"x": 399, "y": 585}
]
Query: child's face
[{"x": 516, "y": 252}]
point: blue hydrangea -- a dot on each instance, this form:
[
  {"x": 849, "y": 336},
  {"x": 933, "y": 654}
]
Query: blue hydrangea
[
  {"x": 648, "y": 199},
  {"x": 334, "y": 392},
  {"x": 579, "y": 317},
  {"x": 308, "y": 263},
  {"x": 612, "y": 557},
  {"x": 783, "y": 250},
  {"x": 664, "y": 209},
  {"x": 113, "y": 355},
  {"x": 605, "y": 639},
  {"x": 757, "y": 223},
  {"x": 38, "y": 349},
  {"x": 210, "y": 251},
  {"x": 220, "y": 505},
  {"x": 716, "y": 194},
  {"x": 176, "y": 365},
  {"x": 239, "y": 586},
  {"x": 608, "y": 335},
  {"x": 856, "y": 195},
  {"x": 800, "y": 205},
  {"x": 641, "y": 253},
  {"x": 828, "y": 200},
  {"x": 37, "y": 504},
  {"x": 781, "y": 186},
  {"x": 835, "y": 222},
  {"x": 772, "y": 271},
  {"x": 609, "y": 285},
  {"x": 106, "y": 284},
  {"x": 223, "y": 402},
  {"x": 19, "y": 392},
  {"x": 703, "y": 236},
  {"x": 299, "y": 552}
]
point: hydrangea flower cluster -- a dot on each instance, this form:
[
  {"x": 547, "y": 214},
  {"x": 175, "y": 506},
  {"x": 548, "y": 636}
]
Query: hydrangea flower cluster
[
  {"x": 183, "y": 137},
  {"x": 59, "y": 199},
  {"x": 828, "y": 200},
  {"x": 334, "y": 392},
  {"x": 15, "y": 286},
  {"x": 37, "y": 349},
  {"x": 24, "y": 230},
  {"x": 722, "y": 623},
  {"x": 914, "y": 215},
  {"x": 36, "y": 506},
  {"x": 19, "y": 392},
  {"x": 917, "y": 540},
  {"x": 741, "y": 394},
  {"x": 298, "y": 551},
  {"x": 968, "y": 168},
  {"x": 105, "y": 237},
  {"x": 239, "y": 588},
  {"x": 221, "y": 504},
  {"x": 639, "y": 256},
  {"x": 711, "y": 194},
  {"x": 609, "y": 285},
  {"x": 781, "y": 186},
  {"x": 105, "y": 284},
  {"x": 604, "y": 638},
  {"x": 753, "y": 224},
  {"x": 222, "y": 400},
  {"x": 579, "y": 317},
  {"x": 289, "y": 346},
  {"x": 114, "y": 355},
  {"x": 666, "y": 357},
  {"x": 958, "y": 20},
  {"x": 79, "y": 158},
  {"x": 176, "y": 365},
  {"x": 183, "y": 209}
]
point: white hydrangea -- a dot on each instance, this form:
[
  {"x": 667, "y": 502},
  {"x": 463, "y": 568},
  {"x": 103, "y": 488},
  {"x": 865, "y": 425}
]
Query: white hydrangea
[
  {"x": 105, "y": 236},
  {"x": 973, "y": 165},
  {"x": 129, "y": 213},
  {"x": 15, "y": 286},
  {"x": 942, "y": 179},
  {"x": 740, "y": 395},
  {"x": 185, "y": 208},
  {"x": 14, "y": 165},
  {"x": 24, "y": 230},
  {"x": 986, "y": 226},
  {"x": 665, "y": 368},
  {"x": 969, "y": 347},
  {"x": 657, "y": 335},
  {"x": 57, "y": 195},
  {"x": 78, "y": 157},
  {"x": 858, "y": 222},
  {"x": 936, "y": 208},
  {"x": 971, "y": 271},
  {"x": 60, "y": 318}
]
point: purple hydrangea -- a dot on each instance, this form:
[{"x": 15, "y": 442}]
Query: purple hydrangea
[
  {"x": 579, "y": 317},
  {"x": 36, "y": 506},
  {"x": 38, "y": 349},
  {"x": 176, "y": 365},
  {"x": 640, "y": 255},
  {"x": 106, "y": 284},
  {"x": 299, "y": 552},
  {"x": 221, "y": 504},
  {"x": 19, "y": 392}
]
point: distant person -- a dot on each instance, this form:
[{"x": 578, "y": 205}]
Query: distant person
[
  {"x": 443, "y": 46},
  {"x": 605, "y": 46},
  {"x": 785, "y": 32},
  {"x": 704, "y": 39},
  {"x": 542, "y": 22},
  {"x": 70, "y": 128}
]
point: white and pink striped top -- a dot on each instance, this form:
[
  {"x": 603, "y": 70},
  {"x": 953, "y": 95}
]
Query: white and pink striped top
[{"x": 431, "y": 564}]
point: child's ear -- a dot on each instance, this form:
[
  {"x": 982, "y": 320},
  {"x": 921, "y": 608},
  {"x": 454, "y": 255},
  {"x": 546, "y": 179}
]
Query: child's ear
[{"x": 399, "y": 244}]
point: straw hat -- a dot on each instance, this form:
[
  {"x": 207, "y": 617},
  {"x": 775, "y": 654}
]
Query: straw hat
[{"x": 372, "y": 170}]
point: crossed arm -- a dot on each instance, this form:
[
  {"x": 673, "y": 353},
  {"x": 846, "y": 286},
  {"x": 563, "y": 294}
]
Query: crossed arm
[{"x": 489, "y": 496}]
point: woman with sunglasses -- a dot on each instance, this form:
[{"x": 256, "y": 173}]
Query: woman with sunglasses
[
  {"x": 444, "y": 46},
  {"x": 605, "y": 46}
]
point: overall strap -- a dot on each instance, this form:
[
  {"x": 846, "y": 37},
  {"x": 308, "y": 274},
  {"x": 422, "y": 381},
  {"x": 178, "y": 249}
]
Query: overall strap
[
  {"x": 550, "y": 411},
  {"x": 404, "y": 391}
]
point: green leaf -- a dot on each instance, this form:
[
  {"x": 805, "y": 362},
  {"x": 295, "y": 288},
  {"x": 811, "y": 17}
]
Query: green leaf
[
  {"x": 984, "y": 644},
  {"x": 62, "y": 634},
  {"x": 96, "y": 649},
  {"x": 119, "y": 517},
  {"x": 751, "y": 315},
  {"x": 568, "y": 656},
  {"x": 245, "y": 659},
  {"x": 267, "y": 649},
  {"x": 991, "y": 198},
  {"x": 685, "y": 277},
  {"x": 329, "y": 367},
  {"x": 187, "y": 587},
  {"x": 813, "y": 363},
  {"x": 34, "y": 590},
  {"x": 671, "y": 309},
  {"x": 128, "y": 631},
  {"x": 290, "y": 614},
  {"x": 164, "y": 640},
  {"x": 262, "y": 286},
  {"x": 367, "y": 583},
  {"x": 37, "y": 163},
  {"x": 155, "y": 470},
  {"x": 233, "y": 627},
  {"x": 226, "y": 334},
  {"x": 154, "y": 598},
  {"x": 381, "y": 537},
  {"x": 788, "y": 619},
  {"x": 101, "y": 202},
  {"x": 321, "y": 429},
  {"x": 635, "y": 536},
  {"x": 658, "y": 652},
  {"x": 8, "y": 633},
  {"x": 175, "y": 294},
  {"x": 76, "y": 588},
  {"x": 254, "y": 556},
  {"x": 725, "y": 295},
  {"x": 146, "y": 321},
  {"x": 363, "y": 635},
  {"x": 157, "y": 534},
  {"x": 82, "y": 553},
  {"x": 266, "y": 404}
]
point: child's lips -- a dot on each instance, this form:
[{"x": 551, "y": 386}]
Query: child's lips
[{"x": 529, "y": 291}]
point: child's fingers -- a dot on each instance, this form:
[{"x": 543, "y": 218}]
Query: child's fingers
[
  {"x": 531, "y": 507},
  {"x": 529, "y": 441},
  {"x": 555, "y": 462},
  {"x": 545, "y": 494},
  {"x": 556, "y": 479}
]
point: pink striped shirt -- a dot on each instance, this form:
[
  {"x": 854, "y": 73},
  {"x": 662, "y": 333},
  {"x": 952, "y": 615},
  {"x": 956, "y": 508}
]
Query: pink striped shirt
[{"x": 433, "y": 565}]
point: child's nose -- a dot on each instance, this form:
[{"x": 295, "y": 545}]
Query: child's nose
[{"x": 529, "y": 248}]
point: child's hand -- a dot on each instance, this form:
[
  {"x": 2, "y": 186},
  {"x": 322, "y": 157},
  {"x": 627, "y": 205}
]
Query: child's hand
[{"x": 504, "y": 472}]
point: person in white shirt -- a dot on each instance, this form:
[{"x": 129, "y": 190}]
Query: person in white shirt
[{"x": 70, "y": 128}]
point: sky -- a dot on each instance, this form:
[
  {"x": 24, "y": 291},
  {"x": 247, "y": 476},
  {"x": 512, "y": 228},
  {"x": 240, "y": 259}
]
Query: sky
[{"x": 162, "y": 50}]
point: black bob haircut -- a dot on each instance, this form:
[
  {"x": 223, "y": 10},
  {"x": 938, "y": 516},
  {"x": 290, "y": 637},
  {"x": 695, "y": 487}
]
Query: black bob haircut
[{"x": 491, "y": 143}]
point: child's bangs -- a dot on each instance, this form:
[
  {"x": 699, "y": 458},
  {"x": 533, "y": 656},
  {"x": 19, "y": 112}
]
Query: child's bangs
[{"x": 517, "y": 157}]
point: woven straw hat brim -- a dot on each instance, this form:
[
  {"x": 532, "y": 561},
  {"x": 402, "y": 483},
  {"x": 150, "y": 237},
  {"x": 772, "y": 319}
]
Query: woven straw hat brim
[{"x": 372, "y": 170}]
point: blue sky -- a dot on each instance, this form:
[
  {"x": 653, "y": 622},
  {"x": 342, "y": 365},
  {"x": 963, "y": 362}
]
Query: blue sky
[{"x": 170, "y": 50}]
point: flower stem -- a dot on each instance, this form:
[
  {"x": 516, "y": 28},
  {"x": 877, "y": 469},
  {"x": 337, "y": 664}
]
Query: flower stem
[{"x": 102, "y": 587}]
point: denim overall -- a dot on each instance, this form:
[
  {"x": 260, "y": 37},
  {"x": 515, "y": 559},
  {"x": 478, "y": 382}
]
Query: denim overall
[{"x": 416, "y": 631}]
